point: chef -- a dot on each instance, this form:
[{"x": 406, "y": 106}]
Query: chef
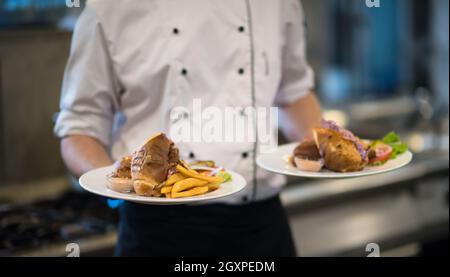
[{"x": 132, "y": 63}]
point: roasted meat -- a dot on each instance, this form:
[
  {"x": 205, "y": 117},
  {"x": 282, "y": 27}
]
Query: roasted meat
[
  {"x": 122, "y": 168},
  {"x": 339, "y": 153},
  {"x": 152, "y": 163},
  {"x": 307, "y": 150}
]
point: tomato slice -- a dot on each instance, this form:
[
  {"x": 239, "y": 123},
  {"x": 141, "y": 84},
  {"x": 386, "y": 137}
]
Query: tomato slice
[{"x": 382, "y": 152}]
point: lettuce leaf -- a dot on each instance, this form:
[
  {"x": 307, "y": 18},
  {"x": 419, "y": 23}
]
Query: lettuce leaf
[
  {"x": 225, "y": 175},
  {"x": 398, "y": 147}
]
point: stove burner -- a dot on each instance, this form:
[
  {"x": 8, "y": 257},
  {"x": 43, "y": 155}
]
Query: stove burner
[{"x": 72, "y": 216}]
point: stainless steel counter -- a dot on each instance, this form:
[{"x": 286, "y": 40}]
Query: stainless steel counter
[
  {"x": 306, "y": 191},
  {"x": 399, "y": 211}
]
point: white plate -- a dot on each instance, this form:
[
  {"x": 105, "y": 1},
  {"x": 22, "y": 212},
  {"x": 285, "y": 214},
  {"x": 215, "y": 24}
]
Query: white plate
[
  {"x": 277, "y": 162},
  {"x": 95, "y": 181}
]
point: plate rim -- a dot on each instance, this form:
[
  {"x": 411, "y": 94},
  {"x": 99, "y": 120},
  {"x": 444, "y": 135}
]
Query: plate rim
[
  {"x": 335, "y": 175},
  {"x": 150, "y": 200}
]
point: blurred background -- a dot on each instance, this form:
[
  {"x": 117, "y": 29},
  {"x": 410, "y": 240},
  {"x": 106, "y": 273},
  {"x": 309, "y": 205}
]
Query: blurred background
[{"x": 377, "y": 70}]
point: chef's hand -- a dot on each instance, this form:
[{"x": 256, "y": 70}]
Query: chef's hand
[
  {"x": 83, "y": 153},
  {"x": 304, "y": 114}
]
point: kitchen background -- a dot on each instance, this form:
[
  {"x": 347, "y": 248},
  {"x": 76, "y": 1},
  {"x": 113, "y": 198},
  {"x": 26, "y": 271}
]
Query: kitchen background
[{"x": 377, "y": 69}]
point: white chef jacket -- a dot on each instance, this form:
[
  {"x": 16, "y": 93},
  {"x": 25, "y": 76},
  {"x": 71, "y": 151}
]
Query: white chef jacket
[{"x": 132, "y": 61}]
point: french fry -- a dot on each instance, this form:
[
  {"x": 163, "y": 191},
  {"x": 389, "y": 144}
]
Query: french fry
[
  {"x": 209, "y": 179},
  {"x": 174, "y": 178},
  {"x": 166, "y": 189},
  {"x": 187, "y": 184},
  {"x": 190, "y": 192},
  {"x": 213, "y": 186},
  {"x": 188, "y": 167}
]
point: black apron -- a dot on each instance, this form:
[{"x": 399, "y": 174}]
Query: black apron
[{"x": 256, "y": 229}]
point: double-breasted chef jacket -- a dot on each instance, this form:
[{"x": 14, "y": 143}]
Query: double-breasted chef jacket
[{"x": 131, "y": 62}]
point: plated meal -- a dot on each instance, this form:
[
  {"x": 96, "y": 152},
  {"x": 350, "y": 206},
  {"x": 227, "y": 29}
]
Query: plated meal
[
  {"x": 335, "y": 152},
  {"x": 155, "y": 170},
  {"x": 339, "y": 150}
]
